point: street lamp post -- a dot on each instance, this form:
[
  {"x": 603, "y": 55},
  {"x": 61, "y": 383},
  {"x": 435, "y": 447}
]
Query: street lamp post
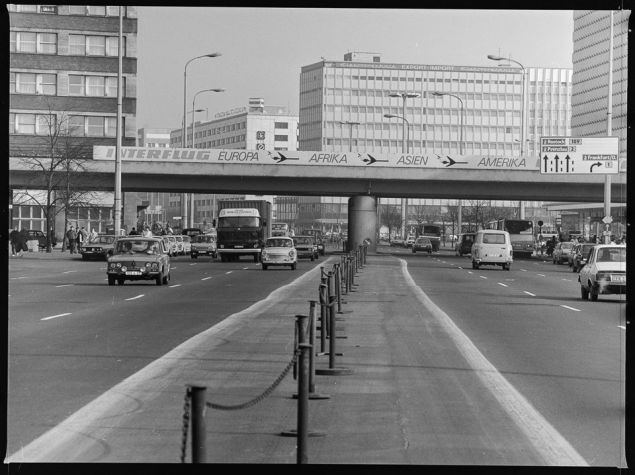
[
  {"x": 184, "y": 203},
  {"x": 200, "y": 110},
  {"x": 461, "y": 148},
  {"x": 117, "y": 200},
  {"x": 523, "y": 118},
  {"x": 350, "y": 136}
]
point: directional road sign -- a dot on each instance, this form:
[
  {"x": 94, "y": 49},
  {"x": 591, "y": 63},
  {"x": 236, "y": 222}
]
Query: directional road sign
[{"x": 578, "y": 155}]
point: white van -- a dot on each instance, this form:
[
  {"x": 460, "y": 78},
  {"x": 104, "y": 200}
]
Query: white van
[{"x": 492, "y": 247}]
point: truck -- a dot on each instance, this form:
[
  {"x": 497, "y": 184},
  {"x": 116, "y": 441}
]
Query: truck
[{"x": 242, "y": 228}]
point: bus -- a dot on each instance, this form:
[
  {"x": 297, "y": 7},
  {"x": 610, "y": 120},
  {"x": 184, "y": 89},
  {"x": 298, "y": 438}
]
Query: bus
[
  {"x": 521, "y": 234},
  {"x": 432, "y": 232},
  {"x": 279, "y": 229}
]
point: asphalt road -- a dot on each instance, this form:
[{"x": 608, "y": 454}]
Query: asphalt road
[{"x": 72, "y": 337}]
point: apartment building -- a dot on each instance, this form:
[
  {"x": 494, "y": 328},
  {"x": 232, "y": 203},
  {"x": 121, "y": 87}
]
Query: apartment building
[
  {"x": 63, "y": 68},
  {"x": 343, "y": 103}
]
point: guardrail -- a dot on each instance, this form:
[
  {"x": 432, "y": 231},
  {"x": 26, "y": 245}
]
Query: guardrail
[{"x": 334, "y": 284}]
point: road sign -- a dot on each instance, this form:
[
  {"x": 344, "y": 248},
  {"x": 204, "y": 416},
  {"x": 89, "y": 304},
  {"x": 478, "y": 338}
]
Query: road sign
[
  {"x": 607, "y": 219},
  {"x": 578, "y": 155}
]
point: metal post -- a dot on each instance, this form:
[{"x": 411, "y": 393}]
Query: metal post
[
  {"x": 198, "y": 424},
  {"x": 338, "y": 287},
  {"x": 117, "y": 200},
  {"x": 312, "y": 343},
  {"x": 609, "y": 131},
  {"x": 303, "y": 404},
  {"x": 322, "y": 291}
]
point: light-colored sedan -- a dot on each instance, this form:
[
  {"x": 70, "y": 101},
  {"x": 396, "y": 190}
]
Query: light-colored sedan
[
  {"x": 170, "y": 244},
  {"x": 187, "y": 245},
  {"x": 561, "y": 252},
  {"x": 279, "y": 251},
  {"x": 180, "y": 249},
  {"x": 604, "y": 271}
]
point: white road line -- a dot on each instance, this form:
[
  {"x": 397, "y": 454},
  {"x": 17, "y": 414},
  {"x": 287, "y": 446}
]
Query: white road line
[
  {"x": 482, "y": 277},
  {"x": 622, "y": 327},
  {"x": 547, "y": 441},
  {"x": 206, "y": 278},
  {"x": 68, "y": 271},
  {"x": 524, "y": 270},
  {"x": 500, "y": 283},
  {"x": 470, "y": 272},
  {"x": 193, "y": 264},
  {"x": 541, "y": 275},
  {"x": 229, "y": 272},
  {"x": 55, "y": 316},
  {"x": 529, "y": 293},
  {"x": 137, "y": 297},
  {"x": 245, "y": 268},
  {"x": 18, "y": 278},
  {"x": 571, "y": 308},
  {"x": 460, "y": 267},
  {"x": 568, "y": 280},
  {"x": 64, "y": 285},
  {"x": 175, "y": 285}
]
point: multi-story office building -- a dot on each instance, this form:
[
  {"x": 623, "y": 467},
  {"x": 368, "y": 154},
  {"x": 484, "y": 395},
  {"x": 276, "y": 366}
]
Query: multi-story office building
[
  {"x": 590, "y": 104},
  {"x": 334, "y": 94},
  {"x": 255, "y": 127},
  {"x": 63, "y": 68}
]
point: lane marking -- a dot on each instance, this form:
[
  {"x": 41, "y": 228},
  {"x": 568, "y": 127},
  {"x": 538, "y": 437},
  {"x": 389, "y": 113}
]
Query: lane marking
[
  {"x": 18, "y": 278},
  {"x": 541, "y": 275},
  {"x": 568, "y": 280},
  {"x": 229, "y": 272},
  {"x": 137, "y": 297},
  {"x": 571, "y": 308},
  {"x": 206, "y": 278},
  {"x": 470, "y": 272},
  {"x": 68, "y": 271},
  {"x": 622, "y": 327},
  {"x": 193, "y": 264},
  {"x": 504, "y": 285},
  {"x": 482, "y": 277},
  {"x": 245, "y": 268},
  {"x": 75, "y": 436},
  {"x": 524, "y": 270},
  {"x": 175, "y": 285},
  {"x": 529, "y": 293},
  {"x": 547, "y": 441},
  {"x": 55, "y": 316},
  {"x": 66, "y": 285}
]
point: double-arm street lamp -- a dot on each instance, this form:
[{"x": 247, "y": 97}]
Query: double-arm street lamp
[
  {"x": 404, "y": 96},
  {"x": 523, "y": 119},
  {"x": 184, "y": 199},
  {"x": 200, "y": 110}
]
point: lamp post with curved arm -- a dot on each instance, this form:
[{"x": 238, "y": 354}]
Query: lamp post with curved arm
[
  {"x": 194, "y": 102},
  {"x": 523, "y": 120},
  {"x": 184, "y": 198},
  {"x": 461, "y": 149}
]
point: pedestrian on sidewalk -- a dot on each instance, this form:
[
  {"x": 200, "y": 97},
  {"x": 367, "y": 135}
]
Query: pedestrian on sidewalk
[
  {"x": 22, "y": 239},
  {"x": 71, "y": 235},
  {"x": 81, "y": 238},
  {"x": 93, "y": 236},
  {"x": 15, "y": 238}
]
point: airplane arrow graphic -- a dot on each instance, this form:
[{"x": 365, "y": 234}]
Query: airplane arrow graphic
[
  {"x": 370, "y": 160},
  {"x": 597, "y": 164},
  {"x": 450, "y": 162},
  {"x": 282, "y": 158}
]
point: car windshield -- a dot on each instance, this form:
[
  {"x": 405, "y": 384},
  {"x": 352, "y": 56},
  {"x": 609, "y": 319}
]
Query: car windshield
[
  {"x": 493, "y": 238},
  {"x": 203, "y": 238},
  {"x": 423, "y": 241},
  {"x": 612, "y": 254},
  {"x": 302, "y": 240},
  {"x": 278, "y": 243},
  {"x": 137, "y": 247},
  {"x": 566, "y": 245},
  {"x": 104, "y": 239}
]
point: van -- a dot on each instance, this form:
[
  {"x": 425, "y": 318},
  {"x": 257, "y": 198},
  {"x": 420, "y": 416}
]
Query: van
[
  {"x": 464, "y": 243},
  {"x": 492, "y": 247}
]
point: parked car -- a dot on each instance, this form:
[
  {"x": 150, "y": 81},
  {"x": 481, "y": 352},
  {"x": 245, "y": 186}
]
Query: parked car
[
  {"x": 464, "y": 243},
  {"x": 561, "y": 252},
  {"x": 170, "y": 243},
  {"x": 305, "y": 247},
  {"x": 203, "y": 245},
  {"x": 604, "y": 271},
  {"x": 579, "y": 254},
  {"x": 36, "y": 235},
  {"x": 139, "y": 258},
  {"x": 492, "y": 247},
  {"x": 279, "y": 251},
  {"x": 187, "y": 245},
  {"x": 100, "y": 248},
  {"x": 410, "y": 240},
  {"x": 422, "y": 244}
]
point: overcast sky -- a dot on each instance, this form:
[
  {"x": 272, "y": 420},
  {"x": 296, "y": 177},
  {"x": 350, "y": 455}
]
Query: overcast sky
[{"x": 263, "y": 49}]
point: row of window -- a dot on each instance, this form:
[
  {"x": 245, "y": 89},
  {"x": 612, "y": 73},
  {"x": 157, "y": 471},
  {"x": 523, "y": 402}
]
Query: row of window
[
  {"x": 78, "y": 85},
  {"x": 78, "y": 45},
  {"x": 219, "y": 142},
  {"x": 75, "y": 125},
  {"x": 449, "y": 111},
  {"x": 419, "y": 145},
  {"x": 330, "y": 126},
  {"x": 337, "y": 92},
  {"x": 85, "y": 10}
]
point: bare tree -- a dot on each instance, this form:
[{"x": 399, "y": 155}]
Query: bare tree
[
  {"x": 390, "y": 217},
  {"x": 57, "y": 155}
]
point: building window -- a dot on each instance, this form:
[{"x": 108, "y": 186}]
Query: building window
[
  {"x": 94, "y": 86},
  {"x": 93, "y": 126},
  {"x": 83, "y": 45},
  {"x": 281, "y": 138},
  {"x": 96, "y": 10},
  {"x": 32, "y": 124}
]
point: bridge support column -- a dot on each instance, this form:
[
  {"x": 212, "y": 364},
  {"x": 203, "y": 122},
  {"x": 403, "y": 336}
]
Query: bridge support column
[{"x": 362, "y": 221}]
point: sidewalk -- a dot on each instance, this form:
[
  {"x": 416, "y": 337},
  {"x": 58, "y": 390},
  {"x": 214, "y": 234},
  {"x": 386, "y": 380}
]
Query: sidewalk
[{"x": 407, "y": 395}]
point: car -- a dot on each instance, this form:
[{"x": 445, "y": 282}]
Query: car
[
  {"x": 561, "y": 252},
  {"x": 279, "y": 251},
  {"x": 203, "y": 245},
  {"x": 180, "y": 248},
  {"x": 422, "y": 244},
  {"x": 410, "y": 240},
  {"x": 579, "y": 255},
  {"x": 492, "y": 247},
  {"x": 305, "y": 247},
  {"x": 139, "y": 258},
  {"x": 36, "y": 235},
  {"x": 464, "y": 243},
  {"x": 604, "y": 271},
  {"x": 170, "y": 243},
  {"x": 187, "y": 245},
  {"x": 99, "y": 248}
]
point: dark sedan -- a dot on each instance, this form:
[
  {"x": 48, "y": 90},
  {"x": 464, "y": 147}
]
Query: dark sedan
[
  {"x": 422, "y": 244},
  {"x": 99, "y": 248}
]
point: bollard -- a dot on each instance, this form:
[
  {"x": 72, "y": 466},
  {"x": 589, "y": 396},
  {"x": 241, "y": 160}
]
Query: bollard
[
  {"x": 326, "y": 301},
  {"x": 198, "y": 424},
  {"x": 322, "y": 291},
  {"x": 303, "y": 403},
  {"x": 332, "y": 369},
  {"x": 338, "y": 286}
]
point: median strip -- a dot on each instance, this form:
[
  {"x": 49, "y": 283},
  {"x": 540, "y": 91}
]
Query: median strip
[{"x": 55, "y": 316}]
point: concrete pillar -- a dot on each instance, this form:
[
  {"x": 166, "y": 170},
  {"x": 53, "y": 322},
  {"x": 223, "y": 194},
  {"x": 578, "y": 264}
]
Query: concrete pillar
[{"x": 362, "y": 221}]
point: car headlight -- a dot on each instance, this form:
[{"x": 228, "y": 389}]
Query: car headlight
[
  {"x": 256, "y": 246},
  {"x": 264, "y": 254},
  {"x": 602, "y": 276},
  {"x": 155, "y": 266},
  {"x": 291, "y": 254},
  {"x": 222, "y": 246},
  {"x": 148, "y": 264},
  {"x": 123, "y": 269},
  {"x": 118, "y": 264}
]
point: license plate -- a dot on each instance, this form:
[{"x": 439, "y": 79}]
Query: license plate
[
  {"x": 618, "y": 278},
  {"x": 133, "y": 272},
  {"x": 238, "y": 247}
]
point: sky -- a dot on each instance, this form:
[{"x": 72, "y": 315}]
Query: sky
[{"x": 263, "y": 49}]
